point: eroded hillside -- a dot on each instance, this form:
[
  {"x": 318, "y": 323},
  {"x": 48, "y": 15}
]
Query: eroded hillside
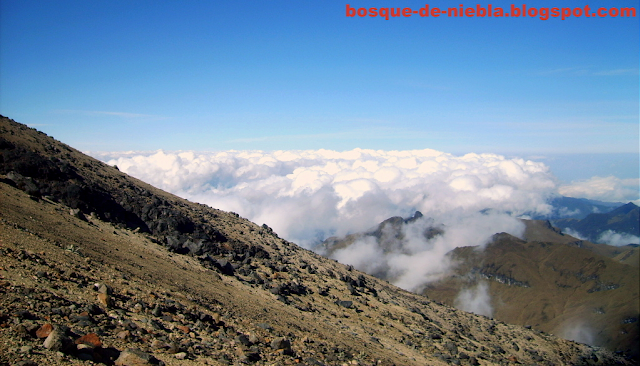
[{"x": 561, "y": 288}]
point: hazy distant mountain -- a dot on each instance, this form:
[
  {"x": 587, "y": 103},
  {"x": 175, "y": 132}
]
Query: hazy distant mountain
[
  {"x": 576, "y": 208},
  {"x": 599, "y": 227},
  {"x": 96, "y": 266}
]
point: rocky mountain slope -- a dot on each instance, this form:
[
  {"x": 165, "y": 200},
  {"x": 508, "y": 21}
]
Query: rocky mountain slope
[
  {"x": 549, "y": 280},
  {"x": 97, "y": 267}
]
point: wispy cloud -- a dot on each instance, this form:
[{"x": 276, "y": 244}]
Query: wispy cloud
[
  {"x": 360, "y": 134},
  {"x": 618, "y": 72},
  {"x": 421, "y": 85},
  {"x": 566, "y": 70},
  {"x": 588, "y": 70},
  {"x": 592, "y": 126},
  {"x": 110, "y": 113},
  {"x": 335, "y": 135},
  {"x": 475, "y": 300}
]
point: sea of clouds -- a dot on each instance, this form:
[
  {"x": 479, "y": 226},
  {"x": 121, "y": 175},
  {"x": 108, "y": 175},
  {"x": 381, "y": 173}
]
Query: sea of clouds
[{"x": 307, "y": 196}]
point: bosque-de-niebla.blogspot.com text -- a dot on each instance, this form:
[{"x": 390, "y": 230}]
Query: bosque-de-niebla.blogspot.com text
[{"x": 513, "y": 11}]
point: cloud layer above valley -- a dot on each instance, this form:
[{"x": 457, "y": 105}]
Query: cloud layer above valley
[{"x": 309, "y": 195}]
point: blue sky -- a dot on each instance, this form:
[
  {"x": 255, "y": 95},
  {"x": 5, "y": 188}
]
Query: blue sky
[{"x": 299, "y": 74}]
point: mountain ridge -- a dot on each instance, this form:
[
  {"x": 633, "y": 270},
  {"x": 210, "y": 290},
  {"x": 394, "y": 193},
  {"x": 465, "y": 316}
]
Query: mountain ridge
[
  {"x": 100, "y": 267},
  {"x": 622, "y": 220},
  {"x": 524, "y": 276}
]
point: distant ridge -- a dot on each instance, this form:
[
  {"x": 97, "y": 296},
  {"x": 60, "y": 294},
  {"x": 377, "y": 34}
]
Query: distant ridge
[
  {"x": 622, "y": 220},
  {"x": 575, "y": 208}
]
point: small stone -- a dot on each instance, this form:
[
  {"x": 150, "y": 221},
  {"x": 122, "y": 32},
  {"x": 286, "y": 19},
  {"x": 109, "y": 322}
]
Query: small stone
[
  {"x": 135, "y": 357},
  {"x": 123, "y": 334},
  {"x": 243, "y": 340},
  {"x": 104, "y": 289},
  {"x": 181, "y": 355},
  {"x": 254, "y": 339},
  {"x": 90, "y": 339},
  {"x": 265, "y": 326},
  {"x": 26, "y": 349},
  {"x": 55, "y": 340},
  {"x": 158, "y": 343},
  {"x": 77, "y": 213},
  {"x": 216, "y": 318},
  {"x": 173, "y": 348},
  {"x": 157, "y": 311},
  {"x": 249, "y": 355},
  {"x": 184, "y": 328},
  {"x": 21, "y": 331},
  {"x": 281, "y": 343},
  {"x": 24, "y": 314},
  {"x": 105, "y": 300}
]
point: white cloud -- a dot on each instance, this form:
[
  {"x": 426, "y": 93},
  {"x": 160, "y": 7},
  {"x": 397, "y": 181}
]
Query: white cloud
[
  {"x": 618, "y": 239},
  {"x": 578, "y": 331},
  {"x": 308, "y": 195},
  {"x": 410, "y": 260},
  {"x": 365, "y": 254},
  {"x": 574, "y": 233},
  {"x": 566, "y": 212},
  {"x": 610, "y": 189},
  {"x": 475, "y": 300}
]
